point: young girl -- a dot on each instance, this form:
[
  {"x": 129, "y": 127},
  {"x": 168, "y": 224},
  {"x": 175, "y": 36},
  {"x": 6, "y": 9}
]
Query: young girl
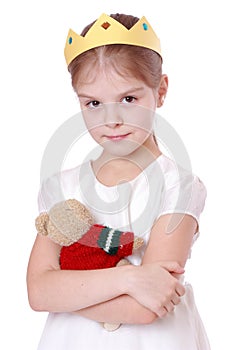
[{"x": 116, "y": 71}]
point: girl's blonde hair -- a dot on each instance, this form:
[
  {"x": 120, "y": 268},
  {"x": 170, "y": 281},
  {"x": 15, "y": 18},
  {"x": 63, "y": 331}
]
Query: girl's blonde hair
[{"x": 141, "y": 63}]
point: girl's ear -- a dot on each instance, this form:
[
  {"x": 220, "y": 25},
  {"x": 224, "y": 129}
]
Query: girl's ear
[{"x": 162, "y": 90}]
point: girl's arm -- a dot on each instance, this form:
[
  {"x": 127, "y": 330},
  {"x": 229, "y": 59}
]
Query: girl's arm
[
  {"x": 163, "y": 246},
  {"x": 123, "y": 309},
  {"x": 52, "y": 289}
]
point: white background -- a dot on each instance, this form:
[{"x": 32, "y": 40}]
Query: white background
[{"x": 36, "y": 98}]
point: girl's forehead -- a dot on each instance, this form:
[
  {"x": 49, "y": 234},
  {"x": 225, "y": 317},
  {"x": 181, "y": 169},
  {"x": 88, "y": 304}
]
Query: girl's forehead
[{"x": 106, "y": 76}]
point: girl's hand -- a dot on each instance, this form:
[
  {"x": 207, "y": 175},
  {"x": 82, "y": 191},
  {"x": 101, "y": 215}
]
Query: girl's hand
[{"x": 153, "y": 286}]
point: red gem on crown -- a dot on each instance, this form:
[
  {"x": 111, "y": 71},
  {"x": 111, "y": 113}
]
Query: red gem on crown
[{"x": 105, "y": 25}]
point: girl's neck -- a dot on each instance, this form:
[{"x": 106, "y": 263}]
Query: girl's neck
[{"x": 112, "y": 170}]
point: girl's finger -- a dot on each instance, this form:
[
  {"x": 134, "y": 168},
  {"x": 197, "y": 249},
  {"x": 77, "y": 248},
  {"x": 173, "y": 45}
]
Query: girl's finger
[
  {"x": 175, "y": 299},
  {"x": 180, "y": 290},
  {"x": 170, "y": 306},
  {"x": 161, "y": 312}
]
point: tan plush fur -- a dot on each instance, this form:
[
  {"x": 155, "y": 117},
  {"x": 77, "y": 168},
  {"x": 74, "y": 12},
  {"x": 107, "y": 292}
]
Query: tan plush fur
[{"x": 65, "y": 223}]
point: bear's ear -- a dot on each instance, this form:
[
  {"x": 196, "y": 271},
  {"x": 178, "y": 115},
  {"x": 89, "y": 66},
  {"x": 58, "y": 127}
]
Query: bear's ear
[{"x": 41, "y": 223}]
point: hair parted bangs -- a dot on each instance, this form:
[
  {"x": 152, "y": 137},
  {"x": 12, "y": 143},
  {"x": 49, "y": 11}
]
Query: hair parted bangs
[{"x": 127, "y": 60}]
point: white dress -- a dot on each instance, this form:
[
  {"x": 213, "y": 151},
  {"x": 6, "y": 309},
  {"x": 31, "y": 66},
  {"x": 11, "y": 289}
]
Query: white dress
[{"x": 161, "y": 188}]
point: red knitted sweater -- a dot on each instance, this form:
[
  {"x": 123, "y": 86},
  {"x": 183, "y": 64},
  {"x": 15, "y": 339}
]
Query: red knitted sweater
[{"x": 100, "y": 247}]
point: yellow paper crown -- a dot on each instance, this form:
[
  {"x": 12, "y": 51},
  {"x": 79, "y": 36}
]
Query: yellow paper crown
[{"x": 105, "y": 31}]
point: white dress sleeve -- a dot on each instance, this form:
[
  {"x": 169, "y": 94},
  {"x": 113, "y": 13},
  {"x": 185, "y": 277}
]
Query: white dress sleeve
[
  {"x": 57, "y": 188},
  {"x": 49, "y": 193},
  {"x": 183, "y": 193}
]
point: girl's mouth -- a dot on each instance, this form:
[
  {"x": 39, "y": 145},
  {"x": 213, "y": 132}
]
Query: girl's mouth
[{"x": 117, "y": 137}]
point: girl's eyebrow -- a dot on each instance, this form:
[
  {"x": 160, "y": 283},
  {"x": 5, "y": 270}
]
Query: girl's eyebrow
[
  {"x": 84, "y": 95},
  {"x": 132, "y": 91},
  {"x": 124, "y": 93}
]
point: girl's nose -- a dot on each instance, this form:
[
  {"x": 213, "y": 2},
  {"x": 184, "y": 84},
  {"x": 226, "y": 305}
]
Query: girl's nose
[{"x": 112, "y": 115}]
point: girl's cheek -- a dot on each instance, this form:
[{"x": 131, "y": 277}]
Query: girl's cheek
[{"x": 92, "y": 120}]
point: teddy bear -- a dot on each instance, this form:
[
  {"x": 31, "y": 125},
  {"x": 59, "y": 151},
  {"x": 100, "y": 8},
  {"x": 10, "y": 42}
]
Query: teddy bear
[{"x": 85, "y": 245}]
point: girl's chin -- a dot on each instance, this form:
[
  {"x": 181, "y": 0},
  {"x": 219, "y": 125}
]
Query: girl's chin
[
  {"x": 119, "y": 150},
  {"x": 124, "y": 147}
]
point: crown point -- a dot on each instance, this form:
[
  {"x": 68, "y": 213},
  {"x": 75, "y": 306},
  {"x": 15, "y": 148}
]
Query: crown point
[
  {"x": 108, "y": 31},
  {"x": 145, "y": 26},
  {"x": 105, "y": 25}
]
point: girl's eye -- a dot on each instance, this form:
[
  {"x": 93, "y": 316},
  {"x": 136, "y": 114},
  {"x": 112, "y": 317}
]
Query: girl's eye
[
  {"x": 128, "y": 99},
  {"x": 93, "y": 104}
]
